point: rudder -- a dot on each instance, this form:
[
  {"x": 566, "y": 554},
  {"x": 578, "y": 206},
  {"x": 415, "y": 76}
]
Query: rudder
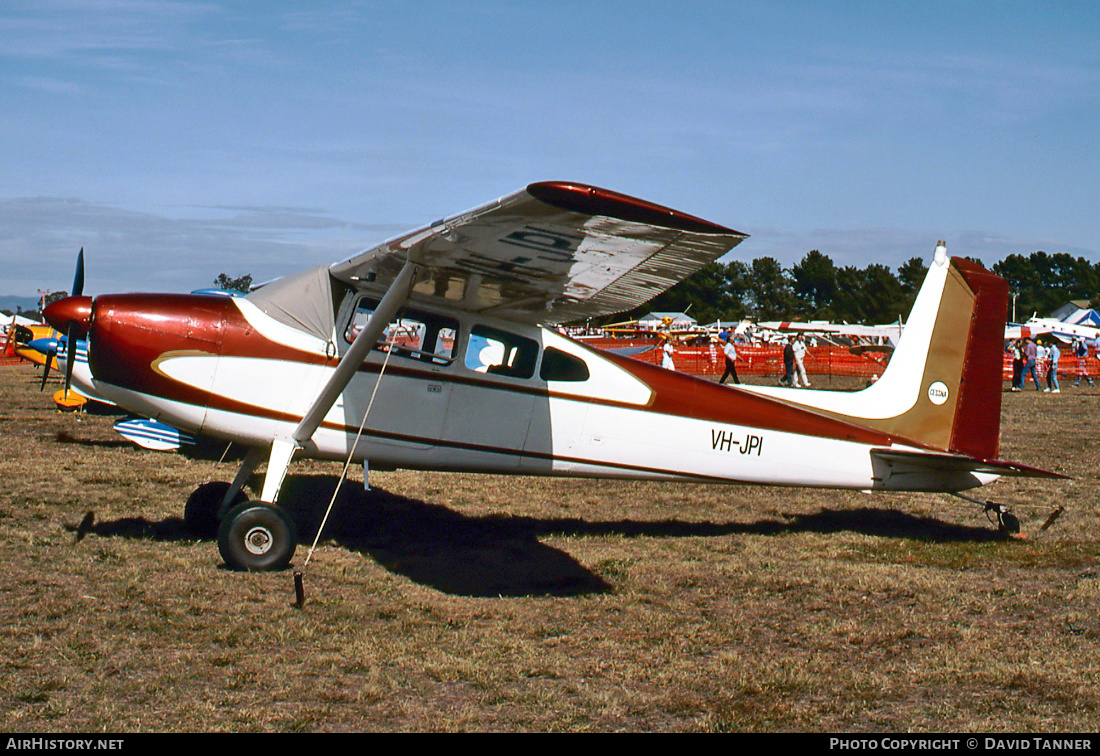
[{"x": 976, "y": 428}]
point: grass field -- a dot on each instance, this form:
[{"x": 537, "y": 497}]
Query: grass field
[{"x": 448, "y": 602}]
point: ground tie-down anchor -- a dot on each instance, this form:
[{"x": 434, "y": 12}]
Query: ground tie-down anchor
[
  {"x": 299, "y": 590},
  {"x": 1053, "y": 516}
]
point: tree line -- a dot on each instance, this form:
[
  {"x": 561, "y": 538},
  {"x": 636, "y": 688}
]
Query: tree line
[{"x": 815, "y": 288}]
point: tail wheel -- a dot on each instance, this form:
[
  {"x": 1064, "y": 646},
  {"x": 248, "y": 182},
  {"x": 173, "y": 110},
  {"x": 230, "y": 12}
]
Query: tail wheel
[
  {"x": 201, "y": 513},
  {"x": 257, "y": 537},
  {"x": 1009, "y": 522}
]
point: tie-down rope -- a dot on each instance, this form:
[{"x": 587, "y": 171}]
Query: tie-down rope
[{"x": 351, "y": 454}]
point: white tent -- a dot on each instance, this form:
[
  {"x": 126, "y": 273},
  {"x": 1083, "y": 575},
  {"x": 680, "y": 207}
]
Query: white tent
[{"x": 678, "y": 321}]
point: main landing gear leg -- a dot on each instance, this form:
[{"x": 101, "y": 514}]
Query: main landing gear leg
[
  {"x": 259, "y": 535},
  {"x": 209, "y": 503}
]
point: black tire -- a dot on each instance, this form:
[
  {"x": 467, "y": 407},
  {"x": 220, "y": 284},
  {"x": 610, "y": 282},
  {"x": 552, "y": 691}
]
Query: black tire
[
  {"x": 1009, "y": 522},
  {"x": 200, "y": 514},
  {"x": 257, "y": 537}
]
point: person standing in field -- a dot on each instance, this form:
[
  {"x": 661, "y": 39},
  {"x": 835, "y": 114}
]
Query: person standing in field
[
  {"x": 788, "y": 363},
  {"x": 1053, "y": 354},
  {"x": 799, "y": 349},
  {"x": 667, "y": 350},
  {"x": 1031, "y": 352},
  {"x": 1081, "y": 352},
  {"x": 1017, "y": 350},
  {"x": 730, "y": 353}
]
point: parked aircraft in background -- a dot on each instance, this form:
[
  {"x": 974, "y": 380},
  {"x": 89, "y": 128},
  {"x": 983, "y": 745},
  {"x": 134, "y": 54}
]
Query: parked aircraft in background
[
  {"x": 23, "y": 336},
  {"x": 887, "y": 335},
  {"x": 144, "y": 432},
  {"x": 18, "y": 330},
  {"x": 434, "y": 350},
  {"x": 1066, "y": 332}
]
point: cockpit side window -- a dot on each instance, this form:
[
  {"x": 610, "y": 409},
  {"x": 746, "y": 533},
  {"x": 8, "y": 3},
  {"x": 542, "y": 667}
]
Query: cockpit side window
[
  {"x": 497, "y": 352},
  {"x": 418, "y": 335},
  {"x": 562, "y": 366}
]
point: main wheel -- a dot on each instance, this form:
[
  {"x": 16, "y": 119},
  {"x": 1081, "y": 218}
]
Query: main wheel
[
  {"x": 257, "y": 537},
  {"x": 200, "y": 514}
]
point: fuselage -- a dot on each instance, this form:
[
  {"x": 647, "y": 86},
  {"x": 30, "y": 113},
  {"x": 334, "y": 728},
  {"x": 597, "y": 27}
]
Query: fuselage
[{"x": 457, "y": 391}]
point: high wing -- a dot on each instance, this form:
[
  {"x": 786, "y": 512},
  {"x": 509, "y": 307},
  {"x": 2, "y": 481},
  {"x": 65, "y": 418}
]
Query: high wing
[{"x": 551, "y": 253}]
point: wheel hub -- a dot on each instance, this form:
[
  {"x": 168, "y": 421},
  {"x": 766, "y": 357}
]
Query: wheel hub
[{"x": 258, "y": 540}]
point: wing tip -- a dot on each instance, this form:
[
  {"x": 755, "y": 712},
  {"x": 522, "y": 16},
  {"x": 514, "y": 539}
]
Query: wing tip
[{"x": 592, "y": 200}]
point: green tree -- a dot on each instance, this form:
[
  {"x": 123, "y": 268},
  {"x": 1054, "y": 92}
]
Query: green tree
[
  {"x": 714, "y": 292},
  {"x": 54, "y": 296},
  {"x": 243, "y": 284},
  {"x": 1041, "y": 283},
  {"x": 868, "y": 295},
  {"x": 738, "y": 277},
  {"x": 910, "y": 277},
  {"x": 769, "y": 290},
  {"x": 813, "y": 283}
]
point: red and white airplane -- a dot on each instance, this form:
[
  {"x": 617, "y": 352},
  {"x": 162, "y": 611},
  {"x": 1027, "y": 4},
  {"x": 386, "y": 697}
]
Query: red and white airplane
[
  {"x": 1066, "y": 332},
  {"x": 445, "y": 337},
  {"x": 888, "y": 333}
]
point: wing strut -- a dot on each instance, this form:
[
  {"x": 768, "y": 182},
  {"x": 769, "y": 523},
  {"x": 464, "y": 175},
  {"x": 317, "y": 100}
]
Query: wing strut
[{"x": 283, "y": 448}]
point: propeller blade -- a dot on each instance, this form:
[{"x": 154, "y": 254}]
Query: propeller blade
[
  {"x": 78, "y": 277},
  {"x": 46, "y": 368},
  {"x": 70, "y": 354}
]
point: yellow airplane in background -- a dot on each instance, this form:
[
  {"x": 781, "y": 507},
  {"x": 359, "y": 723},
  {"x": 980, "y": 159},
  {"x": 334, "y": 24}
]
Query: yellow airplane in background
[{"x": 20, "y": 335}]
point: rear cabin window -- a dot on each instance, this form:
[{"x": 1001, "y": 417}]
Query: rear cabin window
[
  {"x": 501, "y": 353},
  {"x": 562, "y": 366},
  {"x": 419, "y": 335}
]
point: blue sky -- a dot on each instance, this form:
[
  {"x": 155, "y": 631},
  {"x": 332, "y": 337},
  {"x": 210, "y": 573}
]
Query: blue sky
[{"x": 178, "y": 140}]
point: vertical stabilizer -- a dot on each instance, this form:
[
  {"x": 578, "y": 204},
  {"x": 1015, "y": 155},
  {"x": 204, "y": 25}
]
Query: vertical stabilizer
[{"x": 942, "y": 388}]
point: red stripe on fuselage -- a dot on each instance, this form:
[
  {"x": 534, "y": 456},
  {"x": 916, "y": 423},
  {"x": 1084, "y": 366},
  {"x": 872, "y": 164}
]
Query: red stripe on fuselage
[{"x": 700, "y": 399}]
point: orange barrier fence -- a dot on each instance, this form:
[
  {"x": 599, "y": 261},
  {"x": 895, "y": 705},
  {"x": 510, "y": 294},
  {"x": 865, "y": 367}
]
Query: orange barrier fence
[
  {"x": 767, "y": 359},
  {"x": 1068, "y": 367}
]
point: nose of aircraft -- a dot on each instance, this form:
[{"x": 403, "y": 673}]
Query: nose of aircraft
[
  {"x": 70, "y": 310},
  {"x": 43, "y": 346}
]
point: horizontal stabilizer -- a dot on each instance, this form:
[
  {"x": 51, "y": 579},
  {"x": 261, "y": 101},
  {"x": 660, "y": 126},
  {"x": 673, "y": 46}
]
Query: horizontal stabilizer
[{"x": 956, "y": 463}]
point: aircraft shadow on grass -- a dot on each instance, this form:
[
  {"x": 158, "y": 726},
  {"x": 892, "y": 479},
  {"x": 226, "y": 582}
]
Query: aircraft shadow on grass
[
  {"x": 65, "y": 437},
  {"x": 203, "y": 449},
  {"x": 501, "y": 555}
]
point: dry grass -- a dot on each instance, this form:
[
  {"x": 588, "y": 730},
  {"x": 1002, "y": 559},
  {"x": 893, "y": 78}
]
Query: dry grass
[{"x": 452, "y": 602}]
